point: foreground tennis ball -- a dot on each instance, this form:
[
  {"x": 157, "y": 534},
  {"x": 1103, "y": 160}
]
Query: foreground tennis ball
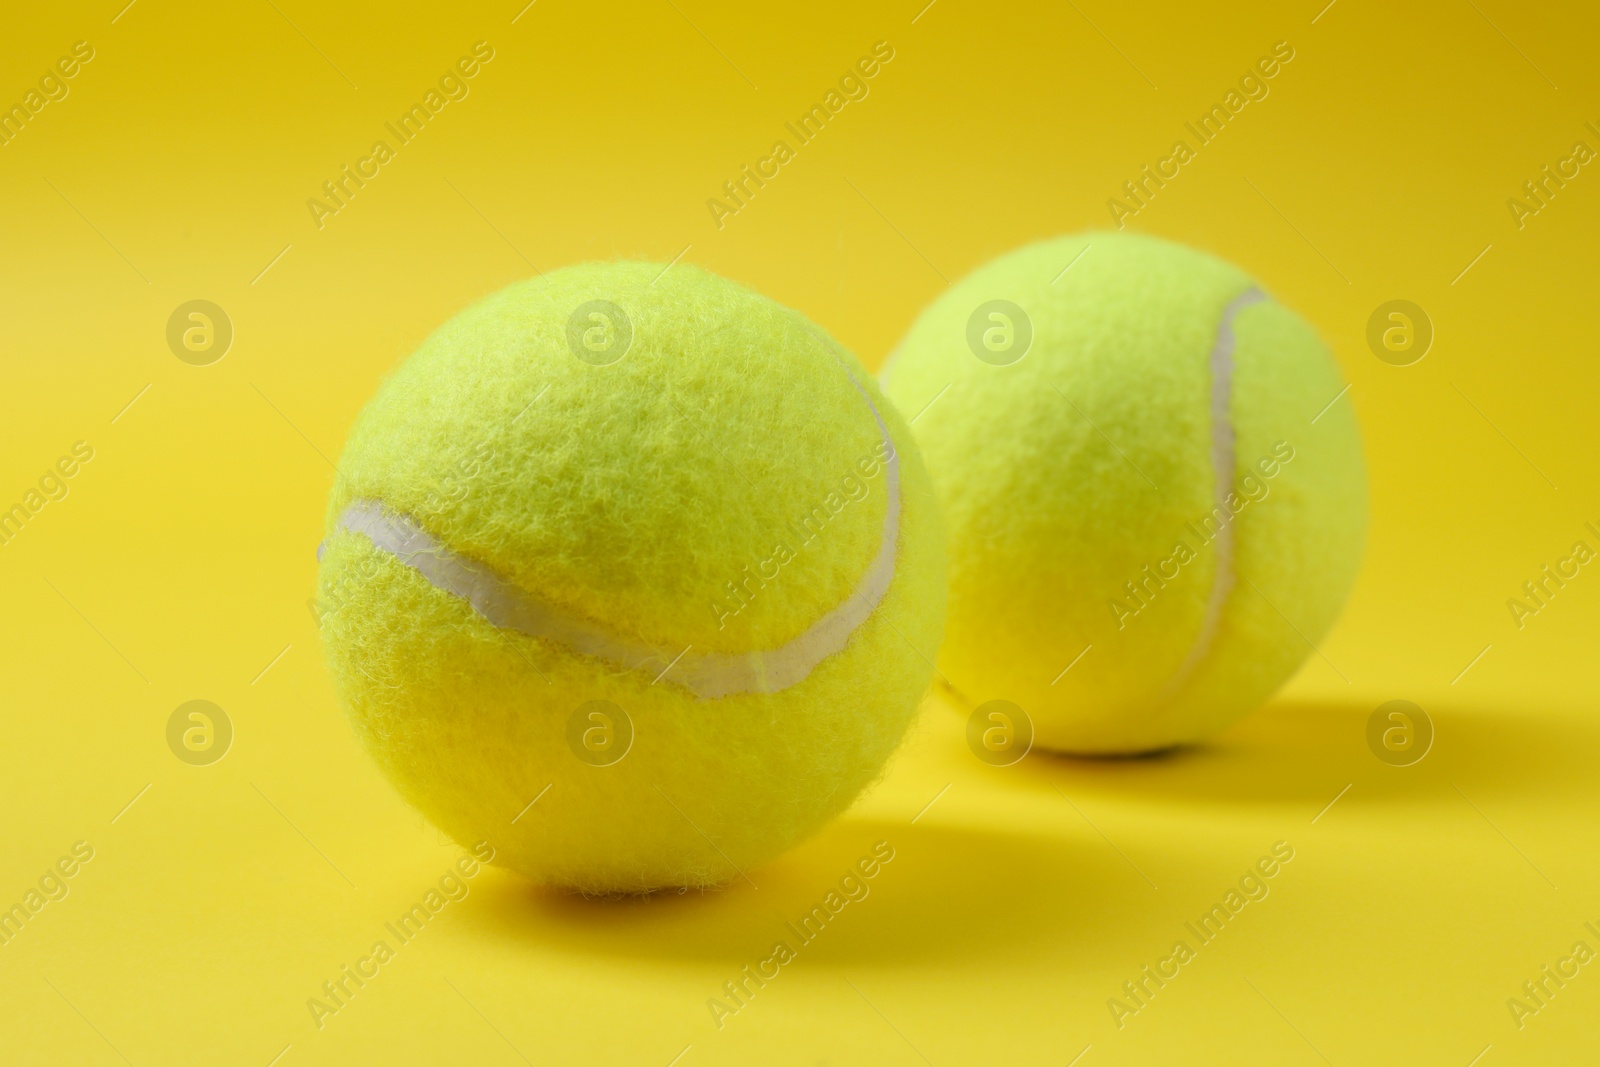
[
  {"x": 626, "y": 573},
  {"x": 1156, "y": 503}
]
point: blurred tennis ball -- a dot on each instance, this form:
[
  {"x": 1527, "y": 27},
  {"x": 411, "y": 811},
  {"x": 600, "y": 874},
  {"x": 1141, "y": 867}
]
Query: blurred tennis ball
[{"x": 1155, "y": 507}]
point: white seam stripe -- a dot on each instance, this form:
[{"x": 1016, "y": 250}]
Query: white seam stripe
[
  {"x": 708, "y": 675},
  {"x": 1223, "y": 473}
]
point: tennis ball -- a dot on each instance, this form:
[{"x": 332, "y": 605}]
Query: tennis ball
[
  {"x": 630, "y": 572},
  {"x": 1153, "y": 486}
]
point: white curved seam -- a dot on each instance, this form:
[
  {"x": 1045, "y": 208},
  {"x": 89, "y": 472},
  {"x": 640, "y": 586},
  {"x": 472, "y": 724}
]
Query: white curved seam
[
  {"x": 1222, "y": 472},
  {"x": 708, "y": 675}
]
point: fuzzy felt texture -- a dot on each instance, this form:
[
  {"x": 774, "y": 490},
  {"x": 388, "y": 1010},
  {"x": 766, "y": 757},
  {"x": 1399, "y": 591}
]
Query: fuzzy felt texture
[
  {"x": 1066, "y": 474},
  {"x": 721, "y": 487}
]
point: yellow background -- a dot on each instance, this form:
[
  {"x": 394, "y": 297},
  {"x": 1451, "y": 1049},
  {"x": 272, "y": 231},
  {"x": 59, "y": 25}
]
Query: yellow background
[{"x": 180, "y": 563}]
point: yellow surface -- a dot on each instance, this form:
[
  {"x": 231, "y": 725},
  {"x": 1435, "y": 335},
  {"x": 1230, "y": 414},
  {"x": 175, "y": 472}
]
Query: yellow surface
[{"x": 179, "y": 562}]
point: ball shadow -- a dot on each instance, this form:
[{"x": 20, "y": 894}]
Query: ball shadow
[
  {"x": 1011, "y": 891},
  {"x": 949, "y": 892},
  {"x": 1304, "y": 752}
]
